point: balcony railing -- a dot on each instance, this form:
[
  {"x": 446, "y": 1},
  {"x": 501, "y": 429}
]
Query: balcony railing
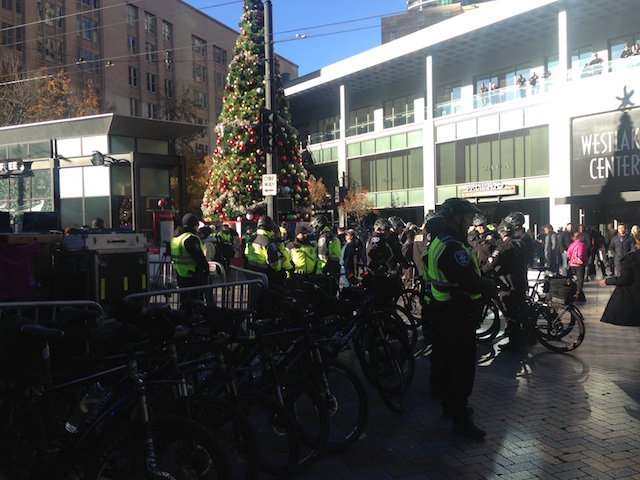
[
  {"x": 398, "y": 119},
  {"x": 327, "y": 136}
]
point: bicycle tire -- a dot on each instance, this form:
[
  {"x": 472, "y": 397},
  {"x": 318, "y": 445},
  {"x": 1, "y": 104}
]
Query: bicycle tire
[
  {"x": 276, "y": 430},
  {"x": 231, "y": 427},
  {"x": 388, "y": 376},
  {"x": 410, "y": 323},
  {"x": 304, "y": 402},
  {"x": 489, "y": 325},
  {"x": 347, "y": 404},
  {"x": 410, "y": 299},
  {"x": 559, "y": 328},
  {"x": 183, "y": 449}
]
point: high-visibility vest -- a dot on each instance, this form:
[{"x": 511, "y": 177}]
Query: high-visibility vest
[
  {"x": 441, "y": 287},
  {"x": 304, "y": 259},
  {"x": 183, "y": 262},
  {"x": 256, "y": 252}
]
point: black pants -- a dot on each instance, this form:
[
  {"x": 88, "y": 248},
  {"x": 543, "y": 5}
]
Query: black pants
[
  {"x": 579, "y": 273},
  {"x": 454, "y": 352}
]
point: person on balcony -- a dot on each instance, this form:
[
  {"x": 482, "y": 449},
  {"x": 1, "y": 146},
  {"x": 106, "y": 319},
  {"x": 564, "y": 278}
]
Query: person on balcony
[
  {"x": 522, "y": 83},
  {"x": 483, "y": 94}
]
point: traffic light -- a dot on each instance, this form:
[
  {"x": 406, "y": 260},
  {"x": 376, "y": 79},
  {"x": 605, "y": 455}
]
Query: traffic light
[{"x": 268, "y": 126}]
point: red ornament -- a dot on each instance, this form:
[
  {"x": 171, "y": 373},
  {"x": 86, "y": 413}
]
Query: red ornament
[{"x": 162, "y": 203}]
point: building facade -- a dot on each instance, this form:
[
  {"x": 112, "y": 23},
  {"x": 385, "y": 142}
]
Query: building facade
[
  {"x": 157, "y": 59},
  {"x": 441, "y": 113}
]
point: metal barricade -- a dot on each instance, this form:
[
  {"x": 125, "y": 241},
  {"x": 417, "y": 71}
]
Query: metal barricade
[
  {"x": 35, "y": 310},
  {"x": 238, "y": 289}
]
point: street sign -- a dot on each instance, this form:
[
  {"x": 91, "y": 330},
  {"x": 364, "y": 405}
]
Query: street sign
[{"x": 270, "y": 184}]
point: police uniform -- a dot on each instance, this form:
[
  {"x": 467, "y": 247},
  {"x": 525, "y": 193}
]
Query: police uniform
[
  {"x": 328, "y": 252},
  {"x": 263, "y": 255},
  {"x": 188, "y": 259},
  {"x": 303, "y": 257},
  {"x": 456, "y": 288}
]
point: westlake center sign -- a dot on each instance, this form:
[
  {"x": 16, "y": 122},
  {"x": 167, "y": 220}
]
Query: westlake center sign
[{"x": 605, "y": 153}]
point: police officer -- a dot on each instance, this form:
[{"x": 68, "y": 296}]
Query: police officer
[
  {"x": 328, "y": 247},
  {"x": 285, "y": 255},
  {"x": 303, "y": 253},
  {"x": 262, "y": 252},
  {"x": 482, "y": 240},
  {"x": 508, "y": 263},
  {"x": 187, "y": 254},
  {"x": 456, "y": 287},
  {"x": 396, "y": 239},
  {"x": 228, "y": 242},
  {"x": 421, "y": 242},
  {"x": 517, "y": 220},
  {"x": 380, "y": 255}
]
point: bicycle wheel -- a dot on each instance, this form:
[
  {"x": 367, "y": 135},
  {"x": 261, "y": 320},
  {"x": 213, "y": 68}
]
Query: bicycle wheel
[
  {"x": 410, "y": 300},
  {"x": 183, "y": 449},
  {"x": 489, "y": 323},
  {"x": 345, "y": 398},
  {"x": 276, "y": 431},
  {"x": 410, "y": 322},
  {"x": 231, "y": 427},
  {"x": 388, "y": 377},
  {"x": 559, "y": 327},
  {"x": 306, "y": 405}
]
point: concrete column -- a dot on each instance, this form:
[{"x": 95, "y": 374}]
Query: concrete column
[{"x": 428, "y": 143}]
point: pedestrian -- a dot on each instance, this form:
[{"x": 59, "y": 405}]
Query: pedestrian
[
  {"x": 564, "y": 240},
  {"x": 624, "y": 303},
  {"x": 578, "y": 261},
  {"x": 187, "y": 255},
  {"x": 551, "y": 253},
  {"x": 456, "y": 287},
  {"x": 620, "y": 245},
  {"x": 608, "y": 236}
]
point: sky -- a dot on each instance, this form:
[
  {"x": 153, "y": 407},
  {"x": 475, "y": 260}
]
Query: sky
[{"x": 332, "y": 29}]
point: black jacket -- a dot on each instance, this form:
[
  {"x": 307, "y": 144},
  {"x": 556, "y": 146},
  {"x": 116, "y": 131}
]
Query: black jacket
[{"x": 624, "y": 304}]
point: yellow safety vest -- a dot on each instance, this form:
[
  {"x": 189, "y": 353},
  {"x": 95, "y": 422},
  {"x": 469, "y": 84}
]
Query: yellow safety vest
[
  {"x": 441, "y": 288},
  {"x": 304, "y": 259},
  {"x": 183, "y": 262}
]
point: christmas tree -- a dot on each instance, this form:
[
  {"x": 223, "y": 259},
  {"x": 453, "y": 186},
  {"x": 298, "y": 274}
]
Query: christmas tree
[{"x": 234, "y": 187}]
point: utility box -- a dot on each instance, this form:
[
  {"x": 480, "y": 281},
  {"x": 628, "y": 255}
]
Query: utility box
[{"x": 104, "y": 275}]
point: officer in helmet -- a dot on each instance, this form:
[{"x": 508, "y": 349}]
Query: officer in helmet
[
  {"x": 380, "y": 254},
  {"x": 421, "y": 242},
  {"x": 517, "y": 220},
  {"x": 508, "y": 264},
  {"x": 456, "y": 288},
  {"x": 328, "y": 246},
  {"x": 262, "y": 252},
  {"x": 482, "y": 240},
  {"x": 187, "y": 254}
]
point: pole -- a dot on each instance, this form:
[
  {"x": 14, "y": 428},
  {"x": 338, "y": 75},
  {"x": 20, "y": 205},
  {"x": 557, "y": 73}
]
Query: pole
[{"x": 272, "y": 206}]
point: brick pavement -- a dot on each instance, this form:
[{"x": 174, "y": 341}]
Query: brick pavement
[{"x": 548, "y": 416}]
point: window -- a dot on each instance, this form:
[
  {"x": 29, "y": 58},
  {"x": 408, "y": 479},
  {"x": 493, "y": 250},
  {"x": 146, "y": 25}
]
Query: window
[
  {"x": 96, "y": 37},
  {"x": 361, "y": 120},
  {"x": 198, "y": 46},
  {"x": 131, "y": 43},
  {"x": 132, "y": 14},
  {"x": 219, "y": 55},
  {"x": 220, "y": 80},
  {"x": 18, "y": 6},
  {"x": 168, "y": 88},
  {"x": 200, "y": 99},
  {"x": 49, "y": 13},
  {"x": 398, "y": 111},
  {"x": 134, "y": 107},
  {"x": 167, "y": 60},
  {"x": 20, "y": 39},
  {"x": 7, "y": 4},
  {"x": 149, "y": 52},
  {"x": 152, "y": 110},
  {"x": 86, "y": 28},
  {"x": 166, "y": 30},
  {"x": 200, "y": 73},
  {"x": 151, "y": 82},
  {"x": 580, "y": 57},
  {"x": 149, "y": 23},
  {"x": 50, "y": 50},
  {"x": 60, "y": 22},
  {"x": 389, "y": 171},
  {"x": 133, "y": 76},
  {"x": 8, "y": 39}
]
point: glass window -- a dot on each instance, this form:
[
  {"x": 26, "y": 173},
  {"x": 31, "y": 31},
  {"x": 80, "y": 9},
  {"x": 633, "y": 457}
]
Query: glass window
[
  {"x": 415, "y": 169},
  {"x": 198, "y": 46},
  {"x": 133, "y": 76},
  {"x": 537, "y": 151},
  {"x": 96, "y": 181},
  {"x": 151, "y": 82},
  {"x": 154, "y": 182},
  {"x": 219, "y": 55},
  {"x": 132, "y": 14},
  {"x": 134, "y": 107},
  {"x": 132, "y": 44},
  {"x": 149, "y": 22},
  {"x": 166, "y": 30},
  {"x": 71, "y": 182},
  {"x": 149, "y": 52}
]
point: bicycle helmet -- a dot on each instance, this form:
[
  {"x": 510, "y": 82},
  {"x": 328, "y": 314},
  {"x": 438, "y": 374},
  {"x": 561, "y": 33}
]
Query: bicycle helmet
[
  {"x": 318, "y": 222},
  {"x": 381, "y": 224},
  {"x": 479, "y": 220},
  {"x": 505, "y": 229},
  {"x": 456, "y": 206},
  {"x": 396, "y": 222},
  {"x": 429, "y": 215},
  {"x": 515, "y": 218},
  {"x": 434, "y": 224},
  {"x": 265, "y": 222}
]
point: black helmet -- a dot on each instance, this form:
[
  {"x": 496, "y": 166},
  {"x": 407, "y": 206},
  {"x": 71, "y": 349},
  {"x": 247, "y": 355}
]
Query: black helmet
[
  {"x": 189, "y": 220},
  {"x": 318, "y": 222},
  {"x": 515, "y": 218},
  {"x": 265, "y": 222},
  {"x": 479, "y": 220},
  {"x": 434, "y": 224},
  {"x": 396, "y": 222},
  {"x": 429, "y": 215},
  {"x": 381, "y": 224},
  {"x": 506, "y": 229},
  {"x": 456, "y": 206}
]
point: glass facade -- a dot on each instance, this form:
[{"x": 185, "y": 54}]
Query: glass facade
[
  {"x": 388, "y": 171},
  {"x": 502, "y": 156}
]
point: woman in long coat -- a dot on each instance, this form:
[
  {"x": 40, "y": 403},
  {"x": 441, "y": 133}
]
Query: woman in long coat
[{"x": 624, "y": 305}]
